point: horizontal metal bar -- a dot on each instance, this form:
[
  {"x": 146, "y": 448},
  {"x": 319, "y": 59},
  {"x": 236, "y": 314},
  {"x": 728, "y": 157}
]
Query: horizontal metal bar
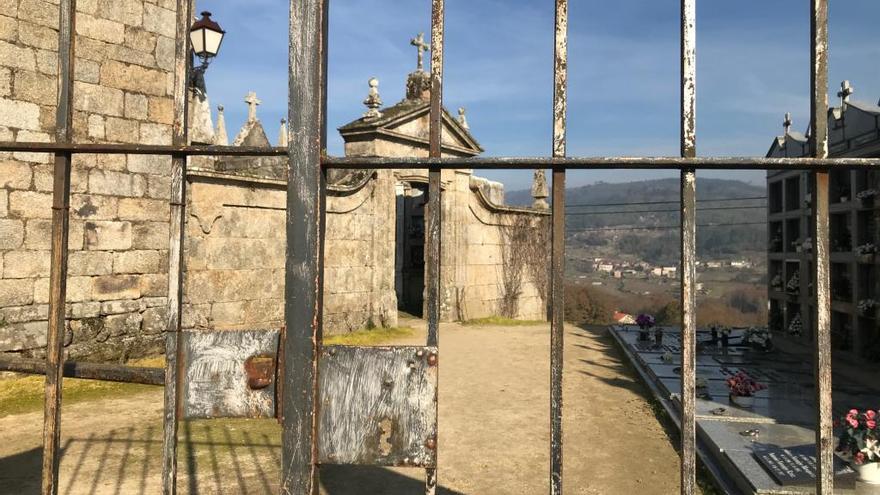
[
  {"x": 659, "y": 163},
  {"x": 675, "y": 201},
  {"x": 663, "y": 210},
  {"x": 140, "y": 149},
  {"x": 513, "y": 163},
  {"x": 88, "y": 371}
]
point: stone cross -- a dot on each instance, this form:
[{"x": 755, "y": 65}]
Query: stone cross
[
  {"x": 845, "y": 91},
  {"x": 252, "y": 101},
  {"x": 786, "y": 124},
  {"x": 421, "y": 46}
]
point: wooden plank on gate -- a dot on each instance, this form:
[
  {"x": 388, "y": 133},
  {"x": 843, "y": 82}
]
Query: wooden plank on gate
[{"x": 378, "y": 406}]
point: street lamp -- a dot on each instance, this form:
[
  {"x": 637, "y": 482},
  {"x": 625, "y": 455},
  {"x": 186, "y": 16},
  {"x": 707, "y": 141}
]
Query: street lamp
[{"x": 206, "y": 36}]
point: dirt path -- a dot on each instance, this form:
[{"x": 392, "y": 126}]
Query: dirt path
[{"x": 494, "y": 432}]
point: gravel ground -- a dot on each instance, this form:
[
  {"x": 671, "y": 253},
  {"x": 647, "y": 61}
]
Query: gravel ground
[{"x": 494, "y": 431}]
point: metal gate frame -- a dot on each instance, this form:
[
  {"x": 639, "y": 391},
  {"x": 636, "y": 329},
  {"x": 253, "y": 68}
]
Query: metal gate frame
[{"x": 305, "y": 228}]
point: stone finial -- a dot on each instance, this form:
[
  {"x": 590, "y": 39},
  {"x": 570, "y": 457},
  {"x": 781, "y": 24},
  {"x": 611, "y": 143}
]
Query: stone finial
[
  {"x": 421, "y": 47},
  {"x": 418, "y": 86},
  {"x": 373, "y": 101},
  {"x": 220, "y": 136},
  {"x": 540, "y": 193},
  {"x": 462, "y": 118},
  {"x": 252, "y": 101},
  {"x": 282, "y": 134},
  {"x": 846, "y": 90},
  {"x": 786, "y": 124}
]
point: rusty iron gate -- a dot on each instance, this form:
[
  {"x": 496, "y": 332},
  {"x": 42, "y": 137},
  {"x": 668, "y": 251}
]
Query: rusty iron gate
[{"x": 399, "y": 384}]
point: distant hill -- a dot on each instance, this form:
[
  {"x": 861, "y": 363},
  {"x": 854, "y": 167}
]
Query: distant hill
[{"x": 602, "y": 217}]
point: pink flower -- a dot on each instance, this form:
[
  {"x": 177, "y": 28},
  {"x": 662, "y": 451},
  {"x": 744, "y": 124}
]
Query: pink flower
[
  {"x": 860, "y": 458},
  {"x": 852, "y": 422},
  {"x": 853, "y": 412},
  {"x": 871, "y": 424},
  {"x": 870, "y": 414}
]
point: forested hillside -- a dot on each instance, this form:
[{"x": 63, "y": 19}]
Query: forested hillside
[{"x": 640, "y": 219}]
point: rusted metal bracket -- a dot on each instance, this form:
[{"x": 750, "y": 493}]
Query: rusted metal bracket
[{"x": 229, "y": 374}]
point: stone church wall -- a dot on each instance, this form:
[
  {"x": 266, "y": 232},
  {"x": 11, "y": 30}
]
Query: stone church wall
[{"x": 117, "y": 283}]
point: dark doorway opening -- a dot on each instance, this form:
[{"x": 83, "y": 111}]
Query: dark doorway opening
[{"x": 410, "y": 253}]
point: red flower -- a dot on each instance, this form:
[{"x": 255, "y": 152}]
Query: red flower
[
  {"x": 871, "y": 424},
  {"x": 860, "y": 458},
  {"x": 852, "y": 422},
  {"x": 853, "y": 412},
  {"x": 870, "y": 414}
]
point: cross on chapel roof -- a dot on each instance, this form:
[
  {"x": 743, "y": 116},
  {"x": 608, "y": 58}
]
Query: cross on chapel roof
[
  {"x": 846, "y": 90},
  {"x": 252, "y": 101},
  {"x": 421, "y": 46}
]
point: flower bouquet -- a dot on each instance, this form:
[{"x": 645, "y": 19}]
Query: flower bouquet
[
  {"x": 794, "y": 284},
  {"x": 776, "y": 282},
  {"x": 645, "y": 323},
  {"x": 866, "y": 252},
  {"x": 859, "y": 443},
  {"x": 742, "y": 389},
  {"x": 866, "y": 197},
  {"x": 867, "y": 307},
  {"x": 759, "y": 337},
  {"x": 796, "y": 327}
]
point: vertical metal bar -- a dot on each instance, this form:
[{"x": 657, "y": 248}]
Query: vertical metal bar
[
  {"x": 432, "y": 262},
  {"x": 688, "y": 247},
  {"x": 173, "y": 359},
  {"x": 434, "y": 212},
  {"x": 303, "y": 279},
  {"x": 557, "y": 258},
  {"x": 58, "y": 270},
  {"x": 822, "y": 311}
]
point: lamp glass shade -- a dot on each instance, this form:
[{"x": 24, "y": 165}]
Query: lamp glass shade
[
  {"x": 206, "y": 36},
  {"x": 198, "y": 41},
  {"x": 212, "y": 41}
]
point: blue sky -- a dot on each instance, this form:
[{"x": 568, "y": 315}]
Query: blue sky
[{"x": 752, "y": 67}]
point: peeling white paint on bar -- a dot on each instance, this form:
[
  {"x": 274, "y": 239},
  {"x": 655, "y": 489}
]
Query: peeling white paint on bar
[
  {"x": 215, "y": 383},
  {"x": 378, "y": 406}
]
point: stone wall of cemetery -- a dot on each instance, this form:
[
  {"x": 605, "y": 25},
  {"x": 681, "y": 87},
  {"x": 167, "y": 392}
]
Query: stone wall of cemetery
[
  {"x": 117, "y": 284},
  {"x": 496, "y": 269},
  {"x": 235, "y": 254}
]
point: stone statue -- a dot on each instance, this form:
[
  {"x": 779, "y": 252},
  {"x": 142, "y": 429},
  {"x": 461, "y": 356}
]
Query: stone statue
[
  {"x": 462, "y": 118},
  {"x": 539, "y": 190}
]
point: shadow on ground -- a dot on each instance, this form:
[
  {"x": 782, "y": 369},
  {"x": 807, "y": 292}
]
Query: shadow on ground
[
  {"x": 227, "y": 460},
  {"x": 357, "y": 480}
]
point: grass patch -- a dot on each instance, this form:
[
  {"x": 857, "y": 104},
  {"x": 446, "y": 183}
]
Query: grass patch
[
  {"x": 25, "y": 394},
  {"x": 21, "y": 395},
  {"x": 500, "y": 321},
  {"x": 375, "y": 336}
]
